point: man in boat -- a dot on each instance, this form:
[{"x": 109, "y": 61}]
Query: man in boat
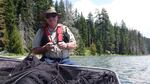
[{"x": 54, "y": 40}]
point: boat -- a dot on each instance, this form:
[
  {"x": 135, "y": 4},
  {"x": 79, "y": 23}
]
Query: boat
[{"x": 70, "y": 73}]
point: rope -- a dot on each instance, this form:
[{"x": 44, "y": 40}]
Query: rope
[{"x": 23, "y": 76}]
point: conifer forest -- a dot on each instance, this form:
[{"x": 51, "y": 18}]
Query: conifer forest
[{"x": 95, "y": 34}]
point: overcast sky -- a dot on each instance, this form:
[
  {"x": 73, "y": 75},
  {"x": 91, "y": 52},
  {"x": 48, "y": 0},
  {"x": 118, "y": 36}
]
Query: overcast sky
[{"x": 135, "y": 13}]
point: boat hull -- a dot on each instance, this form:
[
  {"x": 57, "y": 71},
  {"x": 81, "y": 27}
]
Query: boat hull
[{"x": 68, "y": 72}]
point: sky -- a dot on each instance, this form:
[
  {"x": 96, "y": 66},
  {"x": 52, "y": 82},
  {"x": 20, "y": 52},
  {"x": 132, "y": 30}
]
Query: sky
[{"x": 135, "y": 13}]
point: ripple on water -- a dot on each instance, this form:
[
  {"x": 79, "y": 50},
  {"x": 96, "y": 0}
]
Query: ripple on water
[{"x": 130, "y": 69}]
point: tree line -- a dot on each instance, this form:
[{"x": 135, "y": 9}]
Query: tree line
[{"x": 96, "y": 35}]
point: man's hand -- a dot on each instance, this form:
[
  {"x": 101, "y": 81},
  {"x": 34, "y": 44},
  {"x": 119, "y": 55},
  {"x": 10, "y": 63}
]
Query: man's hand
[
  {"x": 48, "y": 46},
  {"x": 62, "y": 45},
  {"x": 43, "y": 49}
]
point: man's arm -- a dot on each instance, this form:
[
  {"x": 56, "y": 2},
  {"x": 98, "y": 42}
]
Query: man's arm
[
  {"x": 71, "y": 45},
  {"x": 72, "y": 42},
  {"x": 43, "y": 49},
  {"x": 36, "y": 48}
]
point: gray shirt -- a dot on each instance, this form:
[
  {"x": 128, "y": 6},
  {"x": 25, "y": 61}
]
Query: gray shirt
[{"x": 56, "y": 52}]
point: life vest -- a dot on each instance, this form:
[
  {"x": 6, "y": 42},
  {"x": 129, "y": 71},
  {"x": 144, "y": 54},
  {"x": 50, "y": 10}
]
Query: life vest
[{"x": 59, "y": 34}]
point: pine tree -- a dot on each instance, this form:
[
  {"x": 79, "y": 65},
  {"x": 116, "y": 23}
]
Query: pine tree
[
  {"x": 93, "y": 49},
  {"x": 141, "y": 47},
  {"x": 111, "y": 39},
  {"x": 40, "y": 6},
  {"x": 123, "y": 39},
  {"x": 68, "y": 19},
  {"x": 90, "y": 29},
  {"x": 104, "y": 31},
  {"x": 99, "y": 47},
  {"x": 56, "y": 6},
  {"x": 147, "y": 44},
  {"x": 99, "y": 34},
  {"x": 26, "y": 22},
  {"x": 3, "y": 32},
  {"x": 14, "y": 42},
  {"x": 81, "y": 48},
  {"x": 61, "y": 10},
  {"x": 116, "y": 38},
  {"x": 83, "y": 30}
]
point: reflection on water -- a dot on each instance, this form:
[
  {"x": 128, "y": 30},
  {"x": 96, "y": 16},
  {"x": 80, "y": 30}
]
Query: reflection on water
[{"x": 130, "y": 69}]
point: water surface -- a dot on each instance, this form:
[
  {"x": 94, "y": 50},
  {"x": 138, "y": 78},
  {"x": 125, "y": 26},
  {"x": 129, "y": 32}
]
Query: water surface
[{"x": 130, "y": 69}]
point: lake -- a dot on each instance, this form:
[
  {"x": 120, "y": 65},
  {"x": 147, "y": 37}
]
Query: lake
[{"x": 130, "y": 69}]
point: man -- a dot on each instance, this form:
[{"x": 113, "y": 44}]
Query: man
[{"x": 54, "y": 40}]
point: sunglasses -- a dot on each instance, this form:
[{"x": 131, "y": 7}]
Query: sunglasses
[{"x": 51, "y": 15}]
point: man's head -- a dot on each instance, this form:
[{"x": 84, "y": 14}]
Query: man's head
[{"x": 51, "y": 17}]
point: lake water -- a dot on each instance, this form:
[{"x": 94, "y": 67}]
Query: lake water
[{"x": 130, "y": 69}]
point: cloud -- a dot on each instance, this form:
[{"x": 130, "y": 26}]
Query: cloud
[
  {"x": 84, "y": 6},
  {"x": 135, "y": 13}
]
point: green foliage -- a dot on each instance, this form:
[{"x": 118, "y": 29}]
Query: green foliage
[
  {"x": 3, "y": 32},
  {"x": 25, "y": 21},
  {"x": 93, "y": 49},
  {"x": 15, "y": 43},
  {"x": 83, "y": 30},
  {"x": 147, "y": 44},
  {"x": 39, "y": 7},
  {"x": 99, "y": 47},
  {"x": 123, "y": 39},
  {"x": 5, "y": 39},
  {"x": 116, "y": 38},
  {"x": 94, "y": 35},
  {"x": 108, "y": 39},
  {"x": 105, "y": 30},
  {"x": 87, "y": 52},
  {"x": 90, "y": 29},
  {"x": 61, "y": 10},
  {"x": 9, "y": 15},
  {"x": 81, "y": 48},
  {"x": 14, "y": 39}
]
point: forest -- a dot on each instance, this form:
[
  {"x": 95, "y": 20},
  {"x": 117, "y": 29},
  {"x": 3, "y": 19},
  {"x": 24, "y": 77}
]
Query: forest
[{"x": 95, "y": 34}]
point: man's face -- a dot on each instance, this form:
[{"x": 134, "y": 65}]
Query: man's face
[{"x": 52, "y": 19}]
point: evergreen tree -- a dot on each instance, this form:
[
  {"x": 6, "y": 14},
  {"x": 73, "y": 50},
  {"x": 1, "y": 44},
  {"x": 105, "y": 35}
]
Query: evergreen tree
[
  {"x": 56, "y": 6},
  {"x": 116, "y": 38},
  {"x": 98, "y": 31},
  {"x": 68, "y": 14},
  {"x": 147, "y": 44},
  {"x": 99, "y": 47},
  {"x": 100, "y": 36},
  {"x": 83, "y": 30},
  {"x": 61, "y": 10},
  {"x": 93, "y": 49},
  {"x": 81, "y": 48},
  {"x": 3, "y": 32},
  {"x": 111, "y": 39},
  {"x": 26, "y": 22},
  {"x": 40, "y": 6},
  {"x": 141, "y": 46},
  {"x": 133, "y": 45},
  {"x": 14, "y": 42},
  {"x": 90, "y": 29},
  {"x": 104, "y": 32},
  {"x": 123, "y": 47}
]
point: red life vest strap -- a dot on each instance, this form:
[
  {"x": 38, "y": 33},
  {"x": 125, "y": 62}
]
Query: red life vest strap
[{"x": 59, "y": 34}]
